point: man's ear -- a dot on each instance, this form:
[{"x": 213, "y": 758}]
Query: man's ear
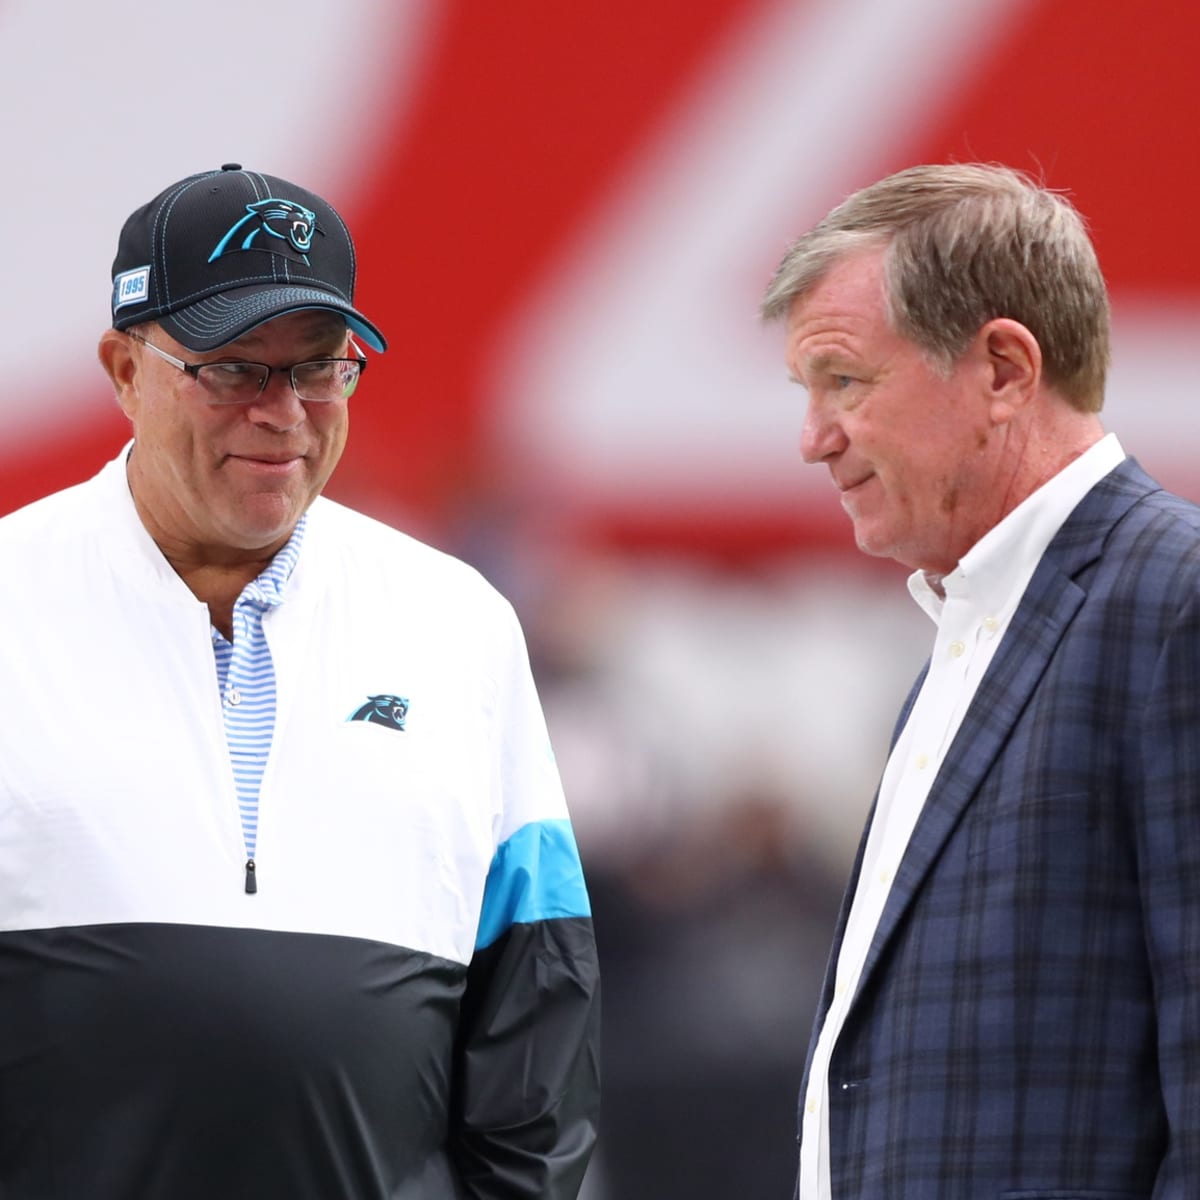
[
  {"x": 122, "y": 367},
  {"x": 1014, "y": 366}
]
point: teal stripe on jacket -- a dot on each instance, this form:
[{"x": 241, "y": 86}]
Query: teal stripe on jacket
[{"x": 535, "y": 876}]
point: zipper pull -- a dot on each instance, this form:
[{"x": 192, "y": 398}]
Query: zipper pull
[{"x": 251, "y": 881}]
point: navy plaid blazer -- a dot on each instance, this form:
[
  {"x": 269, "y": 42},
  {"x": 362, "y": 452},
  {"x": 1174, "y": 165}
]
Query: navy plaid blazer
[{"x": 1027, "y": 1024}]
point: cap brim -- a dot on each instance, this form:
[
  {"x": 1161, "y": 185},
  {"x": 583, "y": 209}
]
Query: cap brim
[{"x": 217, "y": 320}]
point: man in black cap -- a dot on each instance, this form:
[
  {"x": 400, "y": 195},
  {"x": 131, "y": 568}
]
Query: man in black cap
[{"x": 290, "y": 905}]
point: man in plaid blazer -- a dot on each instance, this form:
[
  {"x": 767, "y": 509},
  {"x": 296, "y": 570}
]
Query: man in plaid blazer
[{"x": 1012, "y": 1005}]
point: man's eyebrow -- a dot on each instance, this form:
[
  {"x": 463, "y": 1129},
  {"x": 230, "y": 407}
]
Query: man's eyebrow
[
  {"x": 826, "y": 361},
  {"x": 820, "y": 363}
]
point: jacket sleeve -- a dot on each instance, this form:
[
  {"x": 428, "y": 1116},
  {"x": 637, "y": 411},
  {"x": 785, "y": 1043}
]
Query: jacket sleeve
[{"x": 525, "y": 1105}]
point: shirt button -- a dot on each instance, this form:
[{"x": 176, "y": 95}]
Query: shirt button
[
  {"x": 811, "y": 1106},
  {"x": 922, "y": 761},
  {"x": 991, "y": 624},
  {"x": 885, "y": 876},
  {"x": 957, "y": 648},
  {"x": 233, "y": 697}
]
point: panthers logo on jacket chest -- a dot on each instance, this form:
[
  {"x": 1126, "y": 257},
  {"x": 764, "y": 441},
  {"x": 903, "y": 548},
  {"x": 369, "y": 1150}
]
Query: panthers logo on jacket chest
[{"x": 384, "y": 709}]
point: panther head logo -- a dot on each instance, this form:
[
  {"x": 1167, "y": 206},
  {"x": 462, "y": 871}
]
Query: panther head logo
[
  {"x": 386, "y": 710},
  {"x": 280, "y": 226}
]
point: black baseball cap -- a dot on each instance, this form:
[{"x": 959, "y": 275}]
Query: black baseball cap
[{"x": 220, "y": 252}]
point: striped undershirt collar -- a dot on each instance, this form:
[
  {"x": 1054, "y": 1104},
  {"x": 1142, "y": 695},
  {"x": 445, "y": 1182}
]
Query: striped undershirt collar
[{"x": 266, "y": 590}]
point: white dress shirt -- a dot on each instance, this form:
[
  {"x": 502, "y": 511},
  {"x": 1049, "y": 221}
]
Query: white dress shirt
[{"x": 981, "y": 595}]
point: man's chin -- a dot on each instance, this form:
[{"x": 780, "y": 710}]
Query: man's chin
[
  {"x": 871, "y": 541},
  {"x": 264, "y": 520}
]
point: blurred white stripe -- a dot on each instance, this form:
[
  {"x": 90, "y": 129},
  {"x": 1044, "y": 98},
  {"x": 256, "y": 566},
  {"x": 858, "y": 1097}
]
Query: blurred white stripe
[{"x": 639, "y": 375}]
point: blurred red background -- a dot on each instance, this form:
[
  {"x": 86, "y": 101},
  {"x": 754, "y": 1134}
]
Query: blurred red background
[{"x": 517, "y": 134}]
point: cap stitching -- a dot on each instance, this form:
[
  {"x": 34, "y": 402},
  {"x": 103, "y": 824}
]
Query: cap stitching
[
  {"x": 318, "y": 285},
  {"x": 349, "y": 242},
  {"x": 258, "y": 181},
  {"x": 160, "y": 240},
  {"x": 224, "y": 314}
]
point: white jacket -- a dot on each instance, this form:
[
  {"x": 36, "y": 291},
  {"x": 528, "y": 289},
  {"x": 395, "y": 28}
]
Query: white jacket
[{"x": 443, "y": 843}]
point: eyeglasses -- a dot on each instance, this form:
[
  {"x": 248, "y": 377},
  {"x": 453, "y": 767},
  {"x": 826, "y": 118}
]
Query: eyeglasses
[{"x": 316, "y": 382}]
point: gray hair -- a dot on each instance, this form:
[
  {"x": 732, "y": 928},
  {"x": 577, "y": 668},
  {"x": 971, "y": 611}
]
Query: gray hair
[{"x": 964, "y": 244}]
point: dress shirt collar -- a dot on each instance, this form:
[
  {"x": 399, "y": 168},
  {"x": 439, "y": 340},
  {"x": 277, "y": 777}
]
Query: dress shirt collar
[{"x": 993, "y": 574}]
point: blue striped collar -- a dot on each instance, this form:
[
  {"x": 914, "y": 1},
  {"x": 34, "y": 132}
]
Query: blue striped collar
[{"x": 266, "y": 590}]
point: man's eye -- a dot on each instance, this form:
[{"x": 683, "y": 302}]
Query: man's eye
[
  {"x": 842, "y": 382},
  {"x": 320, "y": 370},
  {"x": 233, "y": 370}
]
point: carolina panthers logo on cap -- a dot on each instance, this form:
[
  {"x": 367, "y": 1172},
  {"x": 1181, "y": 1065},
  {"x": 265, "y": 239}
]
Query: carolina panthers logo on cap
[
  {"x": 386, "y": 710},
  {"x": 280, "y": 226}
]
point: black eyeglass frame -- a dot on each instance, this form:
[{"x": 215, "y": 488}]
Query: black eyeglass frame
[{"x": 194, "y": 369}]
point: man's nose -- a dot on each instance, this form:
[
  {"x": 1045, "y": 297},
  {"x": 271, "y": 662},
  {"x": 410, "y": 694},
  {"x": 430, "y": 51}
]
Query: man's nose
[
  {"x": 277, "y": 405},
  {"x": 821, "y": 435}
]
